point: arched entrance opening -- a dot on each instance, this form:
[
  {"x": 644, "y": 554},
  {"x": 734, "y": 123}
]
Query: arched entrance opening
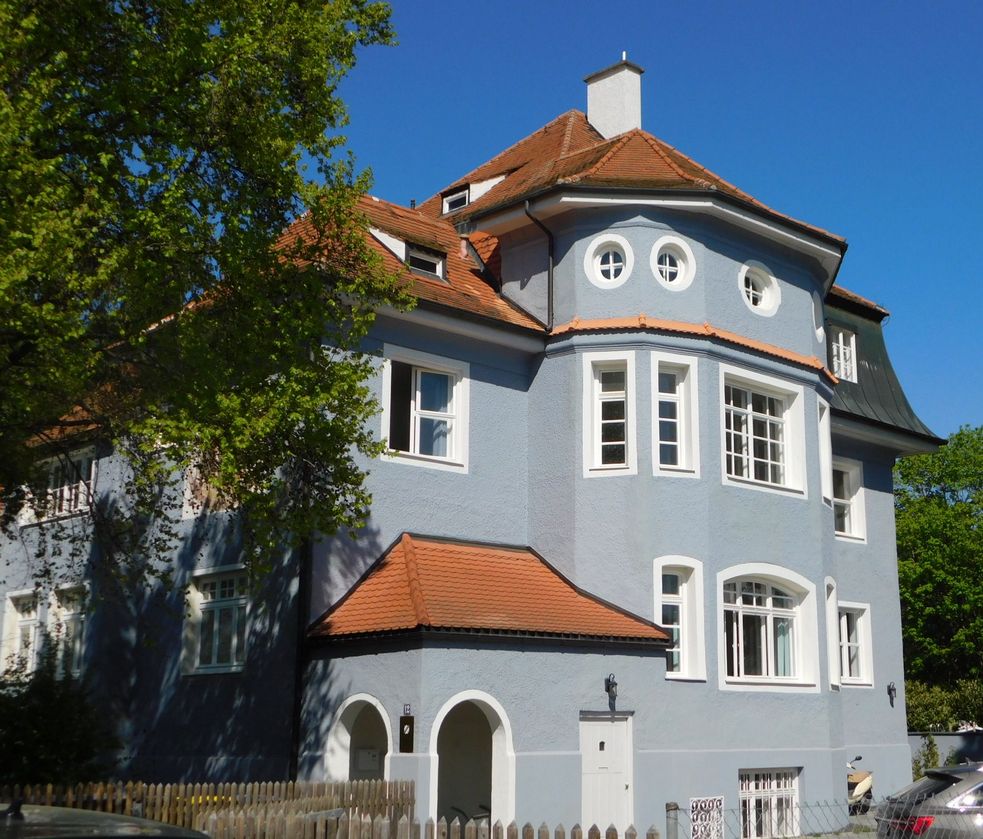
[
  {"x": 359, "y": 741},
  {"x": 464, "y": 752},
  {"x": 472, "y": 761}
]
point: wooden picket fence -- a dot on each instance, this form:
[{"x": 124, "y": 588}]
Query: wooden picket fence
[{"x": 185, "y": 805}]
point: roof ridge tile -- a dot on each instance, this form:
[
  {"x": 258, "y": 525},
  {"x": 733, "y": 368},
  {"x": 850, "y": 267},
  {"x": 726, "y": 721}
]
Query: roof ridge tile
[
  {"x": 618, "y": 144},
  {"x": 413, "y": 578}
]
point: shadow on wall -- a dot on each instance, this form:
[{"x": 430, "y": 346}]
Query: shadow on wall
[{"x": 177, "y": 722}]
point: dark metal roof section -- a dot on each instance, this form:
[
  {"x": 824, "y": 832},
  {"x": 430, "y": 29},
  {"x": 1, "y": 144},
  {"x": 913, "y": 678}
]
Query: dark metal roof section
[{"x": 876, "y": 398}]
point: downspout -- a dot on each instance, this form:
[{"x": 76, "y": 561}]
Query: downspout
[
  {"x": 306, "y": 562},
  {"x": 549, "y": 270}
]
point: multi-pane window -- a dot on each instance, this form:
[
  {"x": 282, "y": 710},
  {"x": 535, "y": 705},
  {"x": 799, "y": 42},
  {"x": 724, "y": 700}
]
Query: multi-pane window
[
  {"x": 848, "y": 519},
  {"x": 223, "y": 601},
  {"x": 668, "y": 265},
  {"x": 769, "y": 803},
  {"x": 610, "y": 264},
  {"x": 759, "y": 630},
  {"x": 68, "y": 629},
  {"x": 843, "y": 351},
  {"x": 851, "y": 666},
  {"x": 671, "y": 422},
  {"x": 26, "y": 637},
  {"x": 422, "y": 415},
  {"x": 760, "y": 289},
  {"x": 610, "y": 414},
  {"x": 755, "y": 435},
  {"x": 754, "y": 288},
  {"x": 70, "y": 485},
  {"x": 672, "y": 607}
]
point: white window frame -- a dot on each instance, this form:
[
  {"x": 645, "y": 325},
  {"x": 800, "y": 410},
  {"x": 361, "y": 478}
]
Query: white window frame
[
  {"x": 67, "y": 498},
  {"x": 459, "y": 372},
  {"x": 66, "y": 623},
  {"x": 438, "y": 259},
  {"x": 832, "y": 645},
  {"x": 592, "y": 260},
  {"x": 854, "y": 504},
  {"x": 792, "y": 396},
  {"x": 688, "y": 412},
  {"x": 843, "y": 353},
  {"x": 805, "y": 639},
  {"x": 692, "y": 639},
  {"x": 860, "y": 612},
  {"x": 768, "y": 289},
  {"x": 14, "y": 623},
  {"x": 593, "y": 363},
  {"x": 198, "y": 606},
  {"x": 453, "y": 196},
  {"x": 686, "y": 262},
  {"x": 825, "y": 452},
  {"x": 761, "y": 790}
]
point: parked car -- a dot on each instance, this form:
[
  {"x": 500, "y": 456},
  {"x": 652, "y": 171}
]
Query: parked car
[
  {"x": 36, "y": 822},
  {"x": 947, "y": 803}
]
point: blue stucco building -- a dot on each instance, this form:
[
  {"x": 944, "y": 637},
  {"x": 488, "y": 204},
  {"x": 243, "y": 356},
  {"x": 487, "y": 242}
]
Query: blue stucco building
[{"x": 633, "y": 542}]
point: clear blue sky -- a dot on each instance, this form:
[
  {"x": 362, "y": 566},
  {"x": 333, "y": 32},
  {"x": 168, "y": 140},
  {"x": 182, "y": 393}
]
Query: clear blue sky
[{"x": 864, "y": 117}]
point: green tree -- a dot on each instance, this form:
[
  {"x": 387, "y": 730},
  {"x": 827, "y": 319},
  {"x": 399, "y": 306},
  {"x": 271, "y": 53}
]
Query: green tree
[
  {"x": 940, "y": 552},
  {"x": 152, "y": 154}
]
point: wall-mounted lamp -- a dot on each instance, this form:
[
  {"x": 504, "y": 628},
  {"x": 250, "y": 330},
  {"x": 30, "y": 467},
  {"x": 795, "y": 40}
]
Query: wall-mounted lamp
[
  {"x": 611, "y": 687},
  {"x": 892, "y": 692}
]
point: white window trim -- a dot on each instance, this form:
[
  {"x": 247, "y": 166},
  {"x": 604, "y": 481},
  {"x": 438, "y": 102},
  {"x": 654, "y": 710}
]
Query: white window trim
[
  {"x": 595, "y": 248},
  {"x": 461, "y": 371},
  {"x": 55, "y": 619},
  {"x": 684, "y": 255},
  {"x": 689, "y": 422},
  {"x": 439, "y": 259},
  {"x": 192, "y": 624},
  {"x": 840, "y": 339},
  {"x": 806, "y": 639},
  {"x": 771, "y": 295},
  {"x": 693, "y": 658},
  {"x": 30, "y": 514},
  {"x": 825, "y": 453},
  {"x": 858, "y": 517},
  {"x": 761, "y": 796},
  {"x": 832, "y": 637},
  {"x": 451, "y": 196},
  {"x": 793, "y": 394},
  {"x": 593, "y": 469},
  {"x": 9, "y": 649},
  {"x": 866, "y": 677}
]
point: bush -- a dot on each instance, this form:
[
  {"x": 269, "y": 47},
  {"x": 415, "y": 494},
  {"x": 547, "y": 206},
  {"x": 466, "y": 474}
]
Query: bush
[
  {"x": 927, "y": 757},
  {"x": 937, "y": 708},
  {"x": 50, "y": 730}
]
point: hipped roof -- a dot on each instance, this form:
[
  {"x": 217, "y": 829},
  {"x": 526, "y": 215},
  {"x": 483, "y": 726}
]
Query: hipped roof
[{"x": 429, "y": 584}]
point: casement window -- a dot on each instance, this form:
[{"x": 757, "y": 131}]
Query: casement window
[
  {"x": 760, "y": 630},
  {"x": 425, "y": 261},
  {"x": 675, "y": 442},
  {"x": 679, "y": 610},
  {"x": 425, "y": 407},
  {"x": 66, "y": 628},
  {"x": 769, "y": 801},
  {"x": 21, "y": 636},
  {"x": 70, "y": 484},
  {"x": 843, "y": 353},
  {"x": 848, "y": 505},
  {"x": 762, "y": 431},
  {"x": 609, "y": 413},
  {"x": 219, "y": 621},
  {"x": 854, "y": 644}
]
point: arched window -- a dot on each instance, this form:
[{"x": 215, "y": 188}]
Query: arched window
[{"x": 768, "y": 636}]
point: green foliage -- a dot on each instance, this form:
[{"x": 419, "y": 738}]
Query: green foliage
[
  {"x": 927, "y": 757},
  {"x": 940, "y": 551},
  {"x": 50, "y": 730},
  {"x": 151, "y": 155},
  {"x": 938, "y": 708}
]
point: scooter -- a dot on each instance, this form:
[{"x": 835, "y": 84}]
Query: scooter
[{"x": 859, "y": 788}]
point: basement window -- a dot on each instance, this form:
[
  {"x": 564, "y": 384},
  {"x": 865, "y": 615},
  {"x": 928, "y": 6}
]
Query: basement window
[
  {"x": 456, "y": 200},
  {"x": 425, "y": 262}
]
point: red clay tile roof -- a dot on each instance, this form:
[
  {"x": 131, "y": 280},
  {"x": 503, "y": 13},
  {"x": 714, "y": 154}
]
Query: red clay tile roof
[
  {"x": 699, "y": 330},
  {"x": 569, "y": 150},
  {"x": 463, "y": 288},
  {"x": 839, "y": 294},
  {"x": 436, "y": 584}
]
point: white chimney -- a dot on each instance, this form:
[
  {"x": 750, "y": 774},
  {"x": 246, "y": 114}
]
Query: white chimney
[{"x": 614, "y": 98}]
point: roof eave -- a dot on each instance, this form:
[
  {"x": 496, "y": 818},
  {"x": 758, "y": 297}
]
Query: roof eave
[
  {"x": 437, "y": 634},
  {"x": 903, "y": 441}
]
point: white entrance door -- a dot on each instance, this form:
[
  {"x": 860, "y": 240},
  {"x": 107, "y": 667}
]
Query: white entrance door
[{"x": 605, "y": 754}]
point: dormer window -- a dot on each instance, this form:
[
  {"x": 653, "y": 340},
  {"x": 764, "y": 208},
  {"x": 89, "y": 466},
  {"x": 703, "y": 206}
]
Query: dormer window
[
  {"x": 843, "y": 349},
  {"x": 455, "y": 200},
  {"x": 425, "y": 262}
]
